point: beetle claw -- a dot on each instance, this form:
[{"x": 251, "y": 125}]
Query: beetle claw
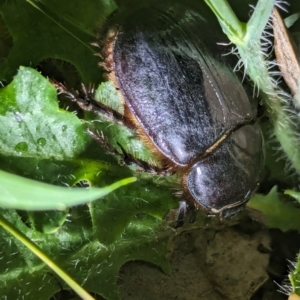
[{"x": 181, "y": 214}]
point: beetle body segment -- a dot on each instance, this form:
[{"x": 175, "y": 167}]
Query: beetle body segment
[{"x": 188, "y": 102}]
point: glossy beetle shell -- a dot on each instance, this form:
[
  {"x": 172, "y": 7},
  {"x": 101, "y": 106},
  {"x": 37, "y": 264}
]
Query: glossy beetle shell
[{"x": 184, "y": 97}]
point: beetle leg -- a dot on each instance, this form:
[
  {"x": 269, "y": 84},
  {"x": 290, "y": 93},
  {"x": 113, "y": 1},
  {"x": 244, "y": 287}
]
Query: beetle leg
[
  {"x": 99, "y": 137},
  {"x": 181, "y": 213},
  {"x": 85, "y": 99},
  {"x": 129, "y": 159},
  {"x": 185, "y": 211},
  {"x": 72, "y": 94}
]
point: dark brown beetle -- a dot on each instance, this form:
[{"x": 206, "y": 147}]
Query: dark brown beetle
[{"x": 186, "y": 102}]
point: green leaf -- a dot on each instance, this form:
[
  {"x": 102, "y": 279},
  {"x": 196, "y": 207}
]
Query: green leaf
[
  {"x": 74, "y": 247},
  {"x": 46, "y": 259},
  {"x": 274, "y": 212},
  {"x": 129, "y": 220},
  {"x": 21, "y": 193},
  {"x": 32, "y": 125},
  {"x": 294, "y": 194},
  {"x": 54, "y": 29},
  {"x": 151, "y": 194}
]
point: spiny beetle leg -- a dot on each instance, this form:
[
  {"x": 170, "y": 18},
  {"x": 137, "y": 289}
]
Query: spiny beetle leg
[
  {"x": 73, "y": 95},
  {"x": 85, "y": 99},
  {"x": 129, "y": 159},
  {"x": 99, "y": 137}
]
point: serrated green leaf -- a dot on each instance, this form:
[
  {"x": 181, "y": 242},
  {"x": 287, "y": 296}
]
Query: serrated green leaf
[
  {"x": 45, "y": 258},
  {"x": 32, "y": 125},
  {"x": 54, "y": 29},
  {"x": 93, "y": 265},
  {"x": 274, "y": 212},
  {"x": 152, "y": 195},
  {"x": 105, "y": 223}
]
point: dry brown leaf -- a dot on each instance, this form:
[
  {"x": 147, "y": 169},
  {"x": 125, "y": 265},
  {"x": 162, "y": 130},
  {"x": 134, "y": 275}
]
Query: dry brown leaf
[{"x": 286, "y": 53}]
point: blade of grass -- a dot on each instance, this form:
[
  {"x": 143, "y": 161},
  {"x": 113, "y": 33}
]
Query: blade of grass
[{"x": 17, "y": 192}]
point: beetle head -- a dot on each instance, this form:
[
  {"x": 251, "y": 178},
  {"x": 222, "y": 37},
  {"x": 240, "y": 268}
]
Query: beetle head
[
  {"x": 224, "y": 180},
  {"x": 217, "y": 191}
]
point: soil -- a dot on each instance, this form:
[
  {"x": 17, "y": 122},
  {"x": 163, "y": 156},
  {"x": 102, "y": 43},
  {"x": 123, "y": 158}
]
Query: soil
[{"x": 238, "y": 262}]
